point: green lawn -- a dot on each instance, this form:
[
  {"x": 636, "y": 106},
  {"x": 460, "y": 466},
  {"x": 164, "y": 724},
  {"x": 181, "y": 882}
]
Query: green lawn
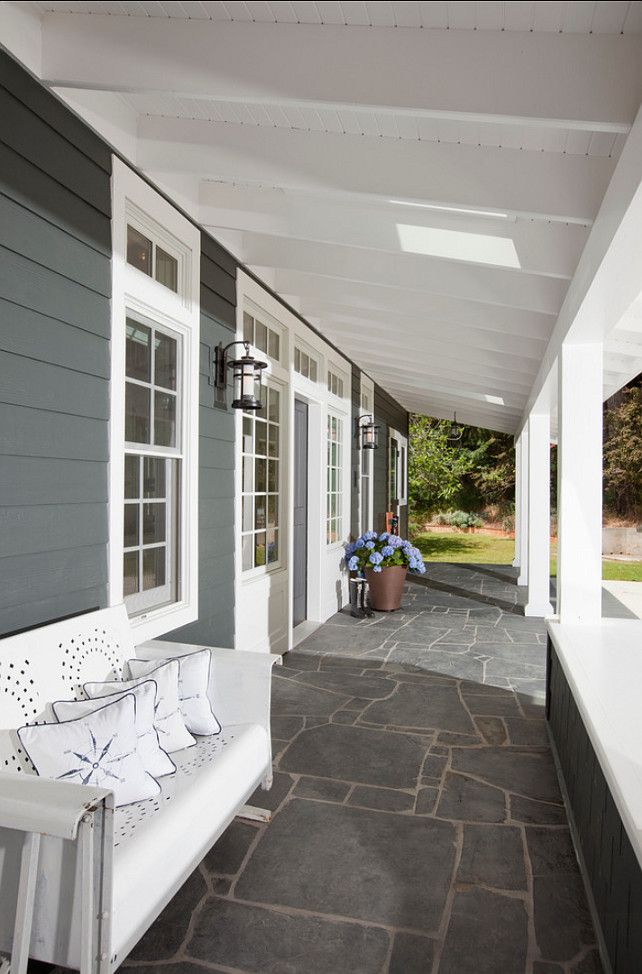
[{"x": 488, "y": 550}]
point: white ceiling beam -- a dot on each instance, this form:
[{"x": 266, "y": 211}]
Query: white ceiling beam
[
  {"x": 544, "y": 185},
  {"x": 440, "y": 353},
  {"x": 445, "y": 73},
  {"x": 311, "y": 290},
  {"x": 408, "y": 272},
  {"x": 431, "y": 370},
  {"x": 382, "y": 324},
  {"x": 551, "y": 249}
]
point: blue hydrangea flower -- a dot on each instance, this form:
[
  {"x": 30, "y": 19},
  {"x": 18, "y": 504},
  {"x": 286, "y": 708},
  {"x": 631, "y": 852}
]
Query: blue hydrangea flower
[
  {"x": 395, "y": 541},
  {"x": 370, "y": 535},
  {"x": 376, "y": 558},
  {"x": 353, "y": 564},
  {"x": 370, "y": 545},
  {"x": 359, "y": 543},
  {"x": 350, "y": 548},
  {"x": 377, "y": 568},
  {"x": 387, "y": 550},
  {"x": 384, "y": 536}
]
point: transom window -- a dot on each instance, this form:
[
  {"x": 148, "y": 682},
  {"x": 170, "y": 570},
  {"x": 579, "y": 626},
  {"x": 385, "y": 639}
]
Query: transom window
[
  {"x": 261, "y": 483},
  {"x": 150, "y": 258},
  {"x": 334, "y": 519},
  {"x": 152, "y": 464},
  {"x": 263, "y": 337},
  {"x": 305, "y": 364},
  {"x": 335, "y": 384}
]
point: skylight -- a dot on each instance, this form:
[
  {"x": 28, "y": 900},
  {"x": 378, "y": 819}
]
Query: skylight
[{"x": 478, "y": 248}]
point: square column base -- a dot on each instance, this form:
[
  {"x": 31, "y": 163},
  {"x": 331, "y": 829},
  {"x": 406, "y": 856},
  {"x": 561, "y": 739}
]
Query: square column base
[{"x": 539, "y": 611}]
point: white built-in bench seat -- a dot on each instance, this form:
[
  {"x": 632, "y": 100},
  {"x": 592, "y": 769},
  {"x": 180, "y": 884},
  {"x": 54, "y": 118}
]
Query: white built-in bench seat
[{"x": 80, "y": 881}]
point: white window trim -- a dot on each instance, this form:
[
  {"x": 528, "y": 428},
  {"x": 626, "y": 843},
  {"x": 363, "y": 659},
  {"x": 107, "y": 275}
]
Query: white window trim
[
  {"x": 134, "y": 200},
  {"x": 367, "y": 386}
]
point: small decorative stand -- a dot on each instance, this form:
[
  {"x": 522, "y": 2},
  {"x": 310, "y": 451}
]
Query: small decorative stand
[{"x": 359, "y": 601}]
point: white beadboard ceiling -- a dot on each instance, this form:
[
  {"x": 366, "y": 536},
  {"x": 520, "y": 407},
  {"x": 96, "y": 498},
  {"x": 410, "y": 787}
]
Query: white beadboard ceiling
[
  {"x": 422, "y": 196},
  {"x": 599, "y": 16}
]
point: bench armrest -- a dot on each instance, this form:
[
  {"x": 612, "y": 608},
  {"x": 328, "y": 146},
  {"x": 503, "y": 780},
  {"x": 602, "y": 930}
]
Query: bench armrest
[
  {"x": 240, "y": 683},
  {"x": 29, "y": 803}
]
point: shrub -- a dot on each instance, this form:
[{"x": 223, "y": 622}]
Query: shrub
[{"x": 459, "y": 519}]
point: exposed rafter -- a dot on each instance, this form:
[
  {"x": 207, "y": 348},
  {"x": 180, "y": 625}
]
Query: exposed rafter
[{"x": 534, "y": 76}]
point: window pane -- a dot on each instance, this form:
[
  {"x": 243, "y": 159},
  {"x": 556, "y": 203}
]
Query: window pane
[
  {"x": 154, "y": 516},
  {"x": 274, "y": 344},
  {"x": 272, "y": 546},
  {"x": 273, "y": 511},
  {"x": 137, "y": 414},
  {"x": 248, "y": 474},
  {"x": 166, "y": 269},
  {"x": 261, "y": 437},
  {"x": 132, "y": 476},
  {"x": 273, "y": 440},
  {"x": 248, "y": 328},
  {"x": 259, "y": 548},
  {"x": 139, "y": 251},
  {"x": 154, "y": 477},
  {"x": 247, "y": 435},
  {"x": 313, "y": 370},
  {"x": 164, "y": 419},
  {"x": 305, "y": 365},
  {"x": 297, "y": 360},
  {"x": 165, "y": 360},
  {"x": 260, "y": 336},
  {"x": 130, "y": 534},
  {"x": 248, "y": 552},
  {"x": 138, "y": 355},
  {"x": 259, "y": 511},
  {"x": 130, "y": 573},
  {"x": 153, "y": 567},
  {"x": 273, "y": 410},
  {"x": 273, "y": 476},
  {"x": 260, "y": 476},
  {"x": 247, "y": 517}
]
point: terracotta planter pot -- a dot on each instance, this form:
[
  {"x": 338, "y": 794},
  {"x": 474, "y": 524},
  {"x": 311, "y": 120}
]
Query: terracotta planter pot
[{"x": 386, "y": 587}]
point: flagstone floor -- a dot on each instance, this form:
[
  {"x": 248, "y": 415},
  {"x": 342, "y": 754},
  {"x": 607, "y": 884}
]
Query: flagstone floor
[{"x": 418, "y": 826}]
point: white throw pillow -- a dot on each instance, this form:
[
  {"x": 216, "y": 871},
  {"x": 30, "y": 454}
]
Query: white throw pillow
[
  {"x": 155, "y": 760},
  {"x": 168, "y": 721},
  {"x": 98, "y": 749},
  {"x": 193, "y": 683}
]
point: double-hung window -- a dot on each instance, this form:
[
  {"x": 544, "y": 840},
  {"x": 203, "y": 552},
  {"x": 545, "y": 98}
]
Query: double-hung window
[
  {"x": 154, "y": 429},
  {"x": 334, "y": 497}
]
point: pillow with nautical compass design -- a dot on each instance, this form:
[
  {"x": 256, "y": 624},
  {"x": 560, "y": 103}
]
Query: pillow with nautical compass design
[
  {"x": 168, "y": 720},
  {"x": 193, "y": 683},
  {"x": 154, "y": 758},
  {"x": 99, "y": 749}
]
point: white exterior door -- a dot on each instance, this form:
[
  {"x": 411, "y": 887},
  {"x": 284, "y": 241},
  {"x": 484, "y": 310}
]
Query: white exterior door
[{"x": 397, "y": 474}]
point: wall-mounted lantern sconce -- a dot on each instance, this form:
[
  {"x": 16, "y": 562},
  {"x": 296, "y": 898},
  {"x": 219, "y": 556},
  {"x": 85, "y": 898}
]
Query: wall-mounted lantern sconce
[
  {"x": 456, "y": 430},
  {"x": 246, "y": 372},
  {"x": 367, "y": 432}
]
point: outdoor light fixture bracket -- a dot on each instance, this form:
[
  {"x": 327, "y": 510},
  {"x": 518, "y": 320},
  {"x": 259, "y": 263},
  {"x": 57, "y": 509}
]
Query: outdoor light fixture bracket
[
  {"x": 456, "y": 430},
  {"x": 367, "y": 432},
  {"x": 246, "y": 371}
]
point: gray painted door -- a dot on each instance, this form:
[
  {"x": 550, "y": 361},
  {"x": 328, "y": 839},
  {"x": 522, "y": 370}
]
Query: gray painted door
[{"x": 300, "y": 553}]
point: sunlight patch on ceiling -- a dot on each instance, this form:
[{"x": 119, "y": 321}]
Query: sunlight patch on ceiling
[{"x": 478, "y": 248}]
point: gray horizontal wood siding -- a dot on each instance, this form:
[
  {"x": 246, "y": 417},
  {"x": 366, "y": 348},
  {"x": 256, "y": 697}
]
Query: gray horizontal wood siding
[
  {"x": 388, "y": 415},
  {"x": 215, "y": 624},
  {"x": 55, "y": 286},
  {"x": 610, "y": 867}
]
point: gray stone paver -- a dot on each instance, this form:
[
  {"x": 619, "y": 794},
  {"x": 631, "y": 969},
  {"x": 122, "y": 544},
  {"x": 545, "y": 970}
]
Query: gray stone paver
[{"x": 417, "y": 824}]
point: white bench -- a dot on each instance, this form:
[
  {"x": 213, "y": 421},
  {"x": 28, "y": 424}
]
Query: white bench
[{"x": 80, "y": 882}]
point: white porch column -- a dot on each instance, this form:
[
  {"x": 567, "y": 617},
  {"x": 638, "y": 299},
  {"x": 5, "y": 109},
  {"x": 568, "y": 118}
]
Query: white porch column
[
  {"x": 518, "y": 502},
  {"x": 523, "y": 508},
  {"x": 579, "y": 559},
  {"x": 539, "y": 515}
]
